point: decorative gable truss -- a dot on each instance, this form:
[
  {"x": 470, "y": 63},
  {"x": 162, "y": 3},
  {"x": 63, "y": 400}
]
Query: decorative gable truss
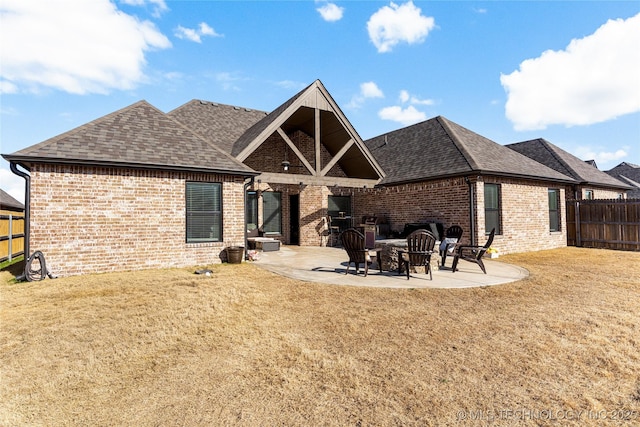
[{"x": 310, "y": 137}]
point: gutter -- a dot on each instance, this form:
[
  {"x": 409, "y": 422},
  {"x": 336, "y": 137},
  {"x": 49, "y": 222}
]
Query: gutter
[
  {"x": 247, "y": 184},
  {"x": 27, "y": 206},
  {"x": 472, "y": 225}
]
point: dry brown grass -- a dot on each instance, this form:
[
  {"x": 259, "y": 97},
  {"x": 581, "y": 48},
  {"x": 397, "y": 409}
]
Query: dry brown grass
[{"x": 247, "y": 347}]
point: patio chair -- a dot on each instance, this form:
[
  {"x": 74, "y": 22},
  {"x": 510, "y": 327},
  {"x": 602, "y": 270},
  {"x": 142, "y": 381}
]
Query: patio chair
[
  {"x": 420, "y": 245},
  {"x": 451, "y": 238},
  {"x": 472, "y": 253},
  {"x": 334, "y": 232},
  {"x": 353, "y": 243}
]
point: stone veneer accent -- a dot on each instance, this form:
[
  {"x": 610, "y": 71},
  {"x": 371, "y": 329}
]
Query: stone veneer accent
[{"x": 121, "y": 219}]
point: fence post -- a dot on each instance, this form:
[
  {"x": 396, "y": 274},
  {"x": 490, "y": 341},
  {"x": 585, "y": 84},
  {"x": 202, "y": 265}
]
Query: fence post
[
  {"x": 10, "y": 236},
  {"x": 577, "y": 214}
]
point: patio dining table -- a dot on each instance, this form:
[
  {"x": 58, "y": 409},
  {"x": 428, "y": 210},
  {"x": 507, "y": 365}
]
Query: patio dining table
[{"x": 389, "y": 253}]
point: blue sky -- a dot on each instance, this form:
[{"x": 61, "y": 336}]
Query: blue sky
[{"x": 568, "y": 72}]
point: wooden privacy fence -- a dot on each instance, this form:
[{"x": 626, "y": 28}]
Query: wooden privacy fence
[
  {"x": 607, "y": 224},
  {"x": 11, "y": 236}
]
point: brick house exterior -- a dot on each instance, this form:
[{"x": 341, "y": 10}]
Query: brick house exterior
[{"x": 114, "y": 194}]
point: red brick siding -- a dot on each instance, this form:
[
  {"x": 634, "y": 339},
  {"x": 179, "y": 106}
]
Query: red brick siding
[{"x": 88, "y": 220}]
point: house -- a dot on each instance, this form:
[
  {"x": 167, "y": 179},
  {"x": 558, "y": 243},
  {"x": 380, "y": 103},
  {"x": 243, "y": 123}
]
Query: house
[
  {"x": 629, "y": 174},
  {"x": 9, "y": 205},
  {"x": 439, "y": 171},
  {"x": 140, "y": 188},
  {"x": 590, "y": 182}
]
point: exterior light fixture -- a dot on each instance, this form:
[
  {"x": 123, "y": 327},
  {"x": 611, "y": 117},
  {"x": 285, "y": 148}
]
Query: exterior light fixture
[{"x": 286, "y": 165}]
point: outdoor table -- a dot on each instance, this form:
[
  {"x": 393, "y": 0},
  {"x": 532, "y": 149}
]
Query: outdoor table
[{"x": 389, "y": 253}]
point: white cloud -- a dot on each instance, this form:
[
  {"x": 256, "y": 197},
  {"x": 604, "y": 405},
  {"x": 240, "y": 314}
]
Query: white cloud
[
  {"x": 75, "y": 46},
  {"x": 7, "y": 87},
  {"x": 12, "y": 184},
  {"x": 291, "y": 85},
  {"x": 159, "y": 5},
  {"x": 393, "y": 24},
  {"x": 195, "y": 35},
  {"x": 406, "y": 97},
  {"x": 367, "y": 90},
  {"x": 601, "y": 157},
  {"x": 406, "y": 116},
  {"x": 593, "y": 80},
  {"x": 331, "y": 12}
]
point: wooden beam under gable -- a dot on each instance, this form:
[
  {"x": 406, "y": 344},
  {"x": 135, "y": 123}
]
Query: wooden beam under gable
[
  {"x": 337, "y": 157},
  {"x": 296, "y": 151},
  {"x": 317, "y": 141}
]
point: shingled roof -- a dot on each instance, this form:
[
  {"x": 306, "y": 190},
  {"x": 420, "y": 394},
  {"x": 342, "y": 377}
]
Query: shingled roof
[
  {"x": 439, "y": 148},
  {"x": 9, "y": 203},
  {"x": 628, "y": 173},
  {"x": 220, "y": 124},
  {"x": 559, "y": 160},
  {"x": 136, "y": 136}
]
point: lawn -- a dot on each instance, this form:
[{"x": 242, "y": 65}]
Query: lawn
[{"x": 247, "y": 347}]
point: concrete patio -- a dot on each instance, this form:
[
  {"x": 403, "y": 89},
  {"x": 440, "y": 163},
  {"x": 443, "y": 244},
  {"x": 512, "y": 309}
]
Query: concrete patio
[{"x": 328, "y": 265}]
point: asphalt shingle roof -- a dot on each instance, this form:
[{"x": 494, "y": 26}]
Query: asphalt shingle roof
[
  {"x": 136, "y": 136},
  {"x": 220, "y": 124},
  {"x": 566, "y": 163},
  {"x": 629, "y": 174},
  {"x": 8, "y": 202},
  {"x": 439, "y": 148}
]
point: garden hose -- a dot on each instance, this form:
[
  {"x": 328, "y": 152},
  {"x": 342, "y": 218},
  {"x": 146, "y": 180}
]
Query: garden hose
[{"x": 32, "y": 272}]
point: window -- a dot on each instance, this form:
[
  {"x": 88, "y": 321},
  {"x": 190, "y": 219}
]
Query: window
[
  {"x": 204, "y": 212},
  {"x": 554, "y": 209},
  {"x": 492, "y": 208},
  {"x": 588, "y": 194},
  {"x": 272, "y": 208},
  {"x": 251, "y": 212},
  {"x": 339, "y": 204}
]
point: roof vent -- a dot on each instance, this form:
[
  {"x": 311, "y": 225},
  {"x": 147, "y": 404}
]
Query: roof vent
[
  {"x": 236, "y": 108},
  {"x": 213, "y": 104},
  {"x": 203, "y": 102},
  {"x": 247, "y": 109}
]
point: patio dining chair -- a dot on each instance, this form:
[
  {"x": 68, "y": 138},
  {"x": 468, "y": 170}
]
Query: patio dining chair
[
  {"x": 420, "y": 245},
  {"x": 451, "y": 238},
  {"x": 353, "y": 242},
  {"x": 472, "y": 253}
]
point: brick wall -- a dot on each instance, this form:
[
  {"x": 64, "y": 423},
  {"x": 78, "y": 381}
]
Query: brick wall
[
  {"x": 88, "y": 220},
  {"x": 525, "y": 210}
]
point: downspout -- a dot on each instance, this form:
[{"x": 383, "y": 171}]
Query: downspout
[
  {"x": 472, "y": 224},
  {"x": 246, "y": 242},
  {"x": 27, "y": 206}
]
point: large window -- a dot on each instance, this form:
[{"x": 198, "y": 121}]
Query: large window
[
  {"x": 251, "y": 212},
  {"x": 492, "y": 208},
  {"x": 554, "y": 209},
  {"x": 272, "y": 209},
  {"x": 339, "y": 204},
  {"x": 204, "y": 212}
]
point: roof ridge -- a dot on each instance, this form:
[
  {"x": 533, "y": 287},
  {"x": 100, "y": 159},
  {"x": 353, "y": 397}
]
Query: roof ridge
[
  {"x": 204, "y": 139},
  {"x": 457, "y": 141},
  {"x": 551, "y": 148}
]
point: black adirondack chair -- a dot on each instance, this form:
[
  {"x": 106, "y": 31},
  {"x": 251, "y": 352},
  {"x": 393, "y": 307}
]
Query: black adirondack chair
[
  {"x": 353, "y": 242},
  {"x": 472, "y": 253},
  {"x": 451, "y": 238},
  {"x": 420, "y": 245}
]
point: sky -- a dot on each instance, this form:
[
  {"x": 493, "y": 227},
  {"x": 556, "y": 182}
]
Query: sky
[{"x": 566, "y": 71}]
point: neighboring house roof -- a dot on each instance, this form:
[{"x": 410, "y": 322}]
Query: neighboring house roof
[
  {"x": 9, "y": 203},
  {"x": 557, "y": 159},
  {"x": 439, "y": 148},
  {"x": 629, "y": 174},
  {"x": 220, "y": 124},
  {"x": 136, "y": 136}
]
